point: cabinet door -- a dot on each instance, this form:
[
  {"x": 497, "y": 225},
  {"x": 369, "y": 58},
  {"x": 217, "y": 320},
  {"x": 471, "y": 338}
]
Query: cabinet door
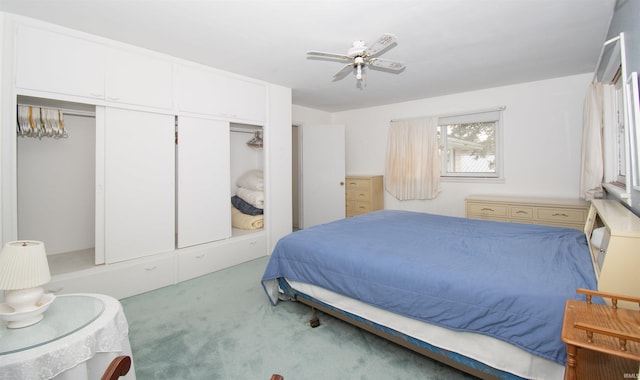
[
  {"x": 200, "y": 91},
  {"x": 58, "y": 63},
  {"x": 139, "y": 184},
  {"x": 248, "y": 100},
  {"x": 138, "y": 79},
  {"x": 204, "y": 206},
  {"x": 210, "y": 93}
]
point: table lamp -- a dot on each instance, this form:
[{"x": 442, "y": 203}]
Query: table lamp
[{"x": 23, "y": 270}]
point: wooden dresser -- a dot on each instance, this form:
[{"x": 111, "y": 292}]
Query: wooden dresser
[
  {"x": 363, "y": 194},
  {"x": 548, "y": 211}
]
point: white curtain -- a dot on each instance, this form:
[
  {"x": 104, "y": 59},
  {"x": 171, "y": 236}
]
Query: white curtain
[
  {"x": 412, "y": 167},
  {"x": 592, "y": 170}
]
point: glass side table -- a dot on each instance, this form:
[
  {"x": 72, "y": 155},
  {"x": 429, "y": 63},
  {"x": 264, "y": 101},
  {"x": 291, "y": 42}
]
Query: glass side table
[
  {"x": 66, "y": 315},
  {"x": 77, "y": 339}
]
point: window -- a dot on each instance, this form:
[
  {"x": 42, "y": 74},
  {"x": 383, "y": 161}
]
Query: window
[
  {"x": 621, "y": 135},
  {"x": 471, "y": 145},
  {"x": 615, "y": 133}
]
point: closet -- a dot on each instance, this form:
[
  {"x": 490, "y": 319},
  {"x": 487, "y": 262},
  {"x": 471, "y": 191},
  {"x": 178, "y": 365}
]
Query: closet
[
  {"x": 56, "y": 182},
  {"x": 137, "y": 195}
]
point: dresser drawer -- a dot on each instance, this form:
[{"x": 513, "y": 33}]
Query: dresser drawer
[
  {"x": 360, "y": 207},
  {"x": 563, "y": 215},
  {"x": 355, "y": 183},
  {"x": 521, "y": 212},
  {"x": 487, "y": 209},
  {"x": 363, "y": 196}
]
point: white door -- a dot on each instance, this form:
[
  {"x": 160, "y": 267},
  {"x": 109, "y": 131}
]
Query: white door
[
  {"x": 322, "y": 174},
  {"x": 204, "y": 209},
  {"x": 139, "y": 196}
]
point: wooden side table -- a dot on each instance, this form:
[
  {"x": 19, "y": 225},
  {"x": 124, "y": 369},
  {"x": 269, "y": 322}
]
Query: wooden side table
[{"x": 603, "y": 342}]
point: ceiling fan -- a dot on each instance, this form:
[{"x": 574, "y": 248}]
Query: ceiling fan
[{"x": 361, "y": 56}]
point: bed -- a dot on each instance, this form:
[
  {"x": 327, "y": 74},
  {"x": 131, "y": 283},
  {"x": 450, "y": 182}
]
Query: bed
[{"x": 486, "y": 297}]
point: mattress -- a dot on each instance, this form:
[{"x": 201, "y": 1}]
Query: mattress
[{"x": 507, "y": 281}]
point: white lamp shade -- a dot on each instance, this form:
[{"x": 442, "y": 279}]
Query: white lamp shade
[{"x": 23, "y": 264}]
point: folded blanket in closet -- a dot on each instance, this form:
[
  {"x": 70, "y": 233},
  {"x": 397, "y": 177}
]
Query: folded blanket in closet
[
  {"x": 252, "y": 180},
  {"x": 253, "y": 197},
  {"x": 244, "y": 221},
  {"x": 245, "y": 207}
]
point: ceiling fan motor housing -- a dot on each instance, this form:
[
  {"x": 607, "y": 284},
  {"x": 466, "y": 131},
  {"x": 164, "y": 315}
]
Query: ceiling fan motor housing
[{"x": 358, "y": 49}]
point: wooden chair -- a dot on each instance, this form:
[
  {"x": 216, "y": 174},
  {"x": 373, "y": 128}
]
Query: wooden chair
[{"x": 119, "y": 367}]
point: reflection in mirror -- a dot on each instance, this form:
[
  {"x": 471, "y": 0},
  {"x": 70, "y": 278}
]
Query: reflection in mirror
[{"x": 610, "y": 62}]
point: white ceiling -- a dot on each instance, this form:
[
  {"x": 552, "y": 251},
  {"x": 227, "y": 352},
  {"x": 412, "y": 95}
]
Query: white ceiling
[{"x": 448, "y": 46}]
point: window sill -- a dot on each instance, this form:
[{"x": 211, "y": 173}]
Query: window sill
[
  {"x": 472, "y": 179},
  {"x": 617, "y": 191}
]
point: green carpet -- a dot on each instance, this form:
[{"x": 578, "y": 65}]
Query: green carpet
[{"x": 222, "y": 326}]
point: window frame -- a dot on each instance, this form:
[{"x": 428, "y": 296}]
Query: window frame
[{"x": 492, "y": 115}]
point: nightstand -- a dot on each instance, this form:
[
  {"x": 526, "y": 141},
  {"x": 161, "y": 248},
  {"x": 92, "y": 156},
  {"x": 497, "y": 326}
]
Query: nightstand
[{"x": 603, "y": 342}]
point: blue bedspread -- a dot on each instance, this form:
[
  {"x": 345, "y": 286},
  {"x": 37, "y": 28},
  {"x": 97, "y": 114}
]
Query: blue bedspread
[{"x": 506, "y": 280}]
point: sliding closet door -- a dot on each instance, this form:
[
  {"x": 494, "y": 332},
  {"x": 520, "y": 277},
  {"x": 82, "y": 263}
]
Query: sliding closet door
[
  {"x": 139, "y": 184},
  {"x": 204, "y": 206}
]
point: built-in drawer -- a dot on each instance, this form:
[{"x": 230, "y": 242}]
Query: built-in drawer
[
  {"x": 119, "y": 280},
  {"x": 563, "y": 215},
  {"x": 207, "y": 258},
  {"x": 487, "y": 209},
  {"x": 521, "y": 212}
]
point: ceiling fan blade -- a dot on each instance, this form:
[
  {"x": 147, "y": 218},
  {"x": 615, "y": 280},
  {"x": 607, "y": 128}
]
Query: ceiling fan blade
[
  {"x": 384, "y": 42},
  {"x": 343, "y": 72},
  {"x": 321, "y": 54},
  {"x": 386, "y": 64}
]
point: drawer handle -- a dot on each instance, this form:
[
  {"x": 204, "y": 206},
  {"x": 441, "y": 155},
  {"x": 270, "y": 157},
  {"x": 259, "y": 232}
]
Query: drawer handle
[
  {"x": 521, "y": 212},
  {"x": 487, "y": 209},
  {"x": 200, "y": 256},
  {"x": 560, "y": 214},
  {"x": 149, "y": 269}
]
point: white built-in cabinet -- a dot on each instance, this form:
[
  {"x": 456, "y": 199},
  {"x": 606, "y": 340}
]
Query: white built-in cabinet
[
  {"x": 203, "y": 181},
  {"x": 207, "y": 92},
  {"x": 164, "y": 146},
  {"x": 139, "y": 184},
  {"x": 59, "y": 63},
  {"x": 138, "y": 79}
]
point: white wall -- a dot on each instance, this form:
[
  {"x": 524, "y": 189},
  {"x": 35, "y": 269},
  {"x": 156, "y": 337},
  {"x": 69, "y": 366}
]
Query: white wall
[
  {"x": 542, "y": 139},
  {"x": 303, "y": 115}
]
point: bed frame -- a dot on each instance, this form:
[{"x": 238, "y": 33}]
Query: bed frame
[{"x": 450, "y": 358}]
